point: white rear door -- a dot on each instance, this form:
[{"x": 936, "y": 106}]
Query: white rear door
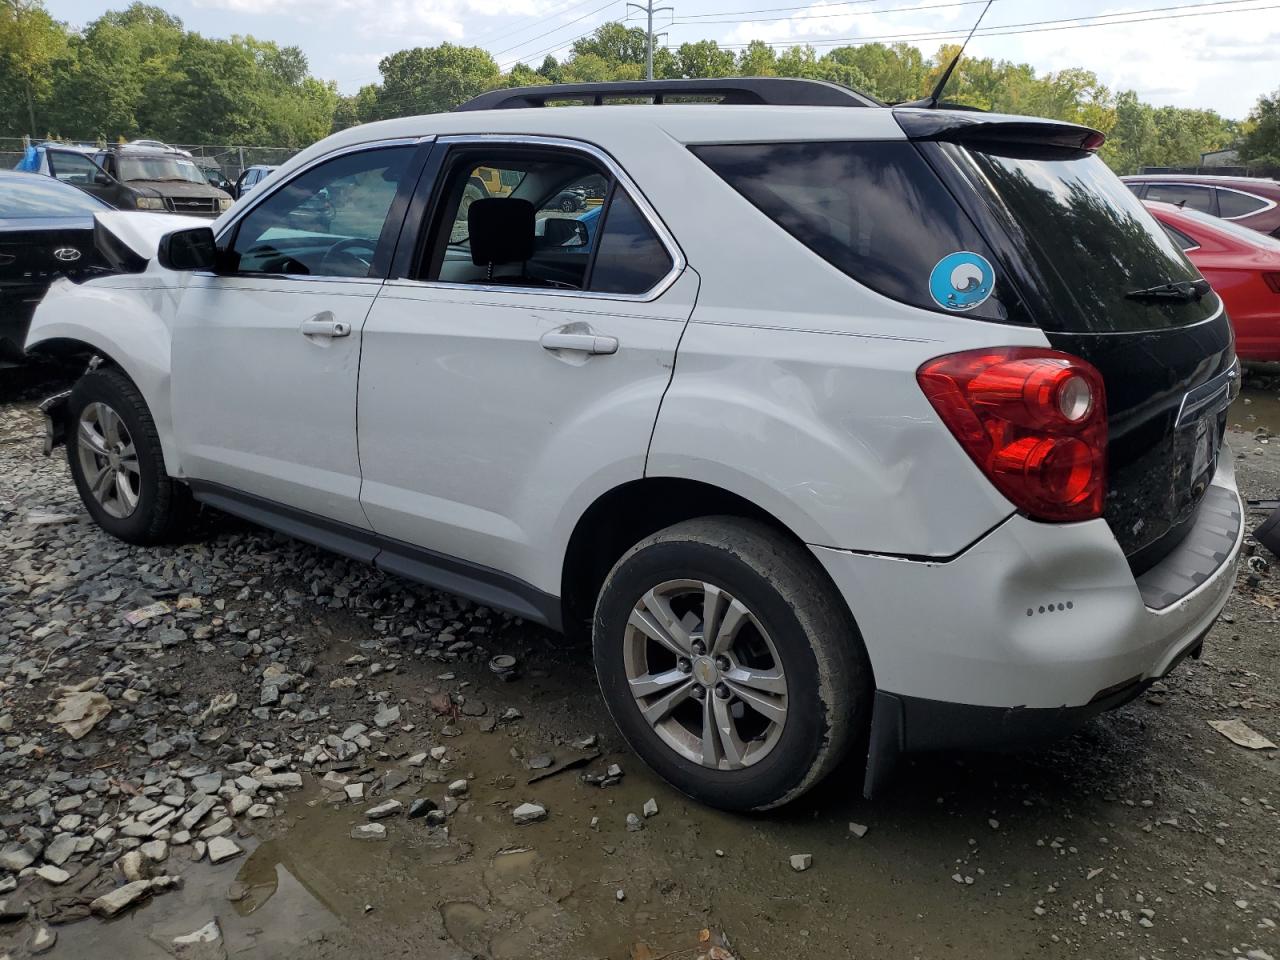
[{"x": 510, "y": 379}]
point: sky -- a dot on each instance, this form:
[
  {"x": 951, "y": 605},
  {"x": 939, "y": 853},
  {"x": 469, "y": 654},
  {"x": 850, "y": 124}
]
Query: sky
[{"x": 1218, "y": 54}]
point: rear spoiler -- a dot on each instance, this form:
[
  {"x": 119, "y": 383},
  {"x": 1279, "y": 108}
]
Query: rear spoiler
[{"x": 960, "y": 126}]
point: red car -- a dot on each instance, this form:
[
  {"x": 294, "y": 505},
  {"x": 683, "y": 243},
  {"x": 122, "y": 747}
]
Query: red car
[{"x": 1242, "y": 265}]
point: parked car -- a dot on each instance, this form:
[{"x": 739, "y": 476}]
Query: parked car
[
  {"x": 150, "y": 177},
  {"x": 878, "y": 458},
  {"x": 1253, "y": 202},
  {"x": 144, "y": 175},
  {"x": 1244, "y": 268},
  {"x": 250, "y": 178},
  {"x": 575, "y": 198},
  {"x": 46, "y": 231}
]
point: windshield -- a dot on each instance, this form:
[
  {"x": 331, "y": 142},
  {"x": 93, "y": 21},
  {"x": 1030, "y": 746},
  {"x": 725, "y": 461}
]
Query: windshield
[
  {"x": 160, "y": 168},
  {"x": 37, "y": 197},
  {"x": 1083, "y": 240},
  {"x": 1240, "y": 232}
]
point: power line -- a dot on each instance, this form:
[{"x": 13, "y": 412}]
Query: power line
[
  {"x": 538, "y": 53},
  {"x": 822, "y": 16},
  {"x": 1034, "y": 26},
  {"x": 538, "y": 18},
  {"x": 692, "y": 17},
  {"x": 589, "y": 13}
]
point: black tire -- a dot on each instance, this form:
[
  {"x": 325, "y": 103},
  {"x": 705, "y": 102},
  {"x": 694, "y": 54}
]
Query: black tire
[
  {"x": 164, "y": 508},
  {"x": 568, "y": 205},
  {"x": 828, "y": 675}
]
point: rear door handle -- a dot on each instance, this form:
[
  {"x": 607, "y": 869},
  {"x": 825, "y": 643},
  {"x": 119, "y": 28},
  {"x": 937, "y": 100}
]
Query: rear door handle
[
  {"x": 323, "y": 325},
  {"x": 579, "y": 343}
]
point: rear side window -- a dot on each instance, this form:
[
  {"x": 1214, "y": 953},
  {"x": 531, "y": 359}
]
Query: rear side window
[
  {"x": 1233, "y": 204},
  {"x": 875, "y": 211},
  {"x": 1197, "y": 198},
  {"x": 1178, "y": 237},
  {"x": 631, "y": 258}
]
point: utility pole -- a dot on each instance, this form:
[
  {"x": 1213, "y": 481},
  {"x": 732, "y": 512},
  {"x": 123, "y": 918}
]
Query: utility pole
[{"x": 648, "y": 9}]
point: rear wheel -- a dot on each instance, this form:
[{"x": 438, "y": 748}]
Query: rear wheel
[
  {"x": 729, "y": 662},
  {"x": 114, "y": 453}
]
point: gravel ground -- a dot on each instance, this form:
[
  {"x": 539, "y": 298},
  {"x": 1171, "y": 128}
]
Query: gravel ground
[{"x": 292, "y": 755}]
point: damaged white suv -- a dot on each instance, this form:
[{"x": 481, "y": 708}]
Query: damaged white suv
[{"x": 842, "y": 429}]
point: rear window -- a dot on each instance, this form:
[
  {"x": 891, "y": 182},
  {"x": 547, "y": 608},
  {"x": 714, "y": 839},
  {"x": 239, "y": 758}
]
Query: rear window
[
  {"x": 1082, "y": 238},
  {"x": 1232, "y": 203},
  {"x": 31, "y": 195},
  {"x": 876, "y": 211}
]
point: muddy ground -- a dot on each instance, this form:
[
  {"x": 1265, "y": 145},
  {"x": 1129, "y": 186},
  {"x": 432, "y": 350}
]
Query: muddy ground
[{"x": 1146, "y": 835}]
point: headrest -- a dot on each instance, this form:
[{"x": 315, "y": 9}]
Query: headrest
[{"x": 501, "y": 230}]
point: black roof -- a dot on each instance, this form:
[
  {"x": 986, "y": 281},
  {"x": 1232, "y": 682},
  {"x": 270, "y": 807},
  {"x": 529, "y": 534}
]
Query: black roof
[{"x": 773, "y": 91}]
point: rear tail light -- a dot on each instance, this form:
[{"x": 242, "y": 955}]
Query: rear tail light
[
  {"x": 1034, "y": 421},
  {"x": 1272, "y": 280}
]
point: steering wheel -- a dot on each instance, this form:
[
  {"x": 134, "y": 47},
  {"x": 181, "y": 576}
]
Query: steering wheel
[{"x": 344, "y": 250}]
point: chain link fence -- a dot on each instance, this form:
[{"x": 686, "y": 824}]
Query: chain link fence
[{"x": 230, "y": 160}]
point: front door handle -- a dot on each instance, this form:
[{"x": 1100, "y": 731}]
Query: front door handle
[
  {"x": 323, "y": 325},
  {"x": 579, "y": 343}
]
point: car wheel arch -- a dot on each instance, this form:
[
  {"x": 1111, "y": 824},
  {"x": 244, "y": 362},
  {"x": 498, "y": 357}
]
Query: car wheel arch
[{"x": 623, "y": 516}]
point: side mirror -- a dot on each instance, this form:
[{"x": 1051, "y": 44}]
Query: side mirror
[
  {"x": 564, "y": 232},
  {"x": 192, "y": 249},
  {"x": 102, "y": 179}
]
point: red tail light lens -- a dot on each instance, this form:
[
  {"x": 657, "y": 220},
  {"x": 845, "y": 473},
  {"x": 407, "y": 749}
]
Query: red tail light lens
[
  {"x": 1272, "y": 280},
  {"x": 1034, "y": 421}
]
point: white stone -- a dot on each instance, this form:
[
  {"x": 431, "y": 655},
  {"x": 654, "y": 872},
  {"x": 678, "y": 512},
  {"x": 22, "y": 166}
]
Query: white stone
[
  {"x": 223, "y": 848},
  {"x": 529, "y": 813},
  {"x": 801, "y": 861}
]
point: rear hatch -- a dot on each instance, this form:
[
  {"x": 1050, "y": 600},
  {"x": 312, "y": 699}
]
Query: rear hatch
[
  {"x": 33, "y": 252},
  {"x": 1080, "y": 249}
]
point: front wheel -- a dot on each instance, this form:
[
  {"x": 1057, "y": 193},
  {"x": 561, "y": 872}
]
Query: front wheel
[
  {"x": 729, "y": 662},
  {"x": 114, "y": 453}
]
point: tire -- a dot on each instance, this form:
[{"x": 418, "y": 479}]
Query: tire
[
  {"x": 155, "y": 508},
  {"x": 568, "y": 205},
  {"x": 796, "y": 624}
]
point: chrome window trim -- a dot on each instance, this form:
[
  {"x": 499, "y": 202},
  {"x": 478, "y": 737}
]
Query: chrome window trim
[
  {"x": 259, "y": 199},
  {"x": 1269, "y": 204},
  {"x": 665, "y": 237}
]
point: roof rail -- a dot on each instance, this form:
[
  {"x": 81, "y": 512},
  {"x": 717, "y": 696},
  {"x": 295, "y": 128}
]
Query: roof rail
[{"x": 773, "y": 91}]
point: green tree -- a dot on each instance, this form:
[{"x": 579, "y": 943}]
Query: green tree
[
  {"x": 1261, "y": 141},
  {"x": 614, "y": 43},
  {"x": 433, "y": 79},
  {"x": 757, "y": 59},
  {"x": 703, "y": 59},
  {"x": 30, "y": 41}
]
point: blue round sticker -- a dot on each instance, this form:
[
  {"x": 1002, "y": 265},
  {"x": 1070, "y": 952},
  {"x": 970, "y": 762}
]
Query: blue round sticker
[{"x": 961, "y": 281}]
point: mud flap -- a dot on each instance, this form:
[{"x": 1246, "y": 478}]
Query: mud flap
[
  {"x": 886, "y": 743},
  {"x": 55, "y": 420}
]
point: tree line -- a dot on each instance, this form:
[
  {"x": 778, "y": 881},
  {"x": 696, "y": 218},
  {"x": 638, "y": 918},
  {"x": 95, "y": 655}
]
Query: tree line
[{"x": 138, "y": 72}]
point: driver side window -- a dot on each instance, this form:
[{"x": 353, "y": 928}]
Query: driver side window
[{"x": 325, "y": 222}]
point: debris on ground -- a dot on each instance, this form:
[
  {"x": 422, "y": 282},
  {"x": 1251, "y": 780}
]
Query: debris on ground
[{"x": 1239, "y": 733}]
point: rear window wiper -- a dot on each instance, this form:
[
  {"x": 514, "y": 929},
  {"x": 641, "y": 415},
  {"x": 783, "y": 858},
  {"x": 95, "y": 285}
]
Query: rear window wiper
[{"x": 1182, "y": 290}]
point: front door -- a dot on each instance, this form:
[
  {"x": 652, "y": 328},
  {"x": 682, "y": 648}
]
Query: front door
[
  {"x": 80, "y": 171},
  {"x": 514, "y": 372},
  {"x": 266, "y": 353}
]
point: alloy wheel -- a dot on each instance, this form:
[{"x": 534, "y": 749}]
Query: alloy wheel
[
  {"x": 705, "y": 675},
  {"x": 109, "y": 460}
]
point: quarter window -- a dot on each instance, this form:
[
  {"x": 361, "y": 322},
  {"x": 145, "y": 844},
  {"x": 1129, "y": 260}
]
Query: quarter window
[
  {"x": 1233, "y": 204},
  {"x": 325, "y": 222},
  {"x": 1188, "y": 195},
  {"x": 631, "y": 258},
  {"x": 874, "y": 210}
]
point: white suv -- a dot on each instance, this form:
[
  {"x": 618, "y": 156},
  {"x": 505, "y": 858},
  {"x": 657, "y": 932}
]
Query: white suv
[{"x": 840, "y": 428}]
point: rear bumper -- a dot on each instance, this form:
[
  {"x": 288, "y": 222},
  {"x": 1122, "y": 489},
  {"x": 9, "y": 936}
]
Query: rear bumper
[{"x": 1033, "y": 629}]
